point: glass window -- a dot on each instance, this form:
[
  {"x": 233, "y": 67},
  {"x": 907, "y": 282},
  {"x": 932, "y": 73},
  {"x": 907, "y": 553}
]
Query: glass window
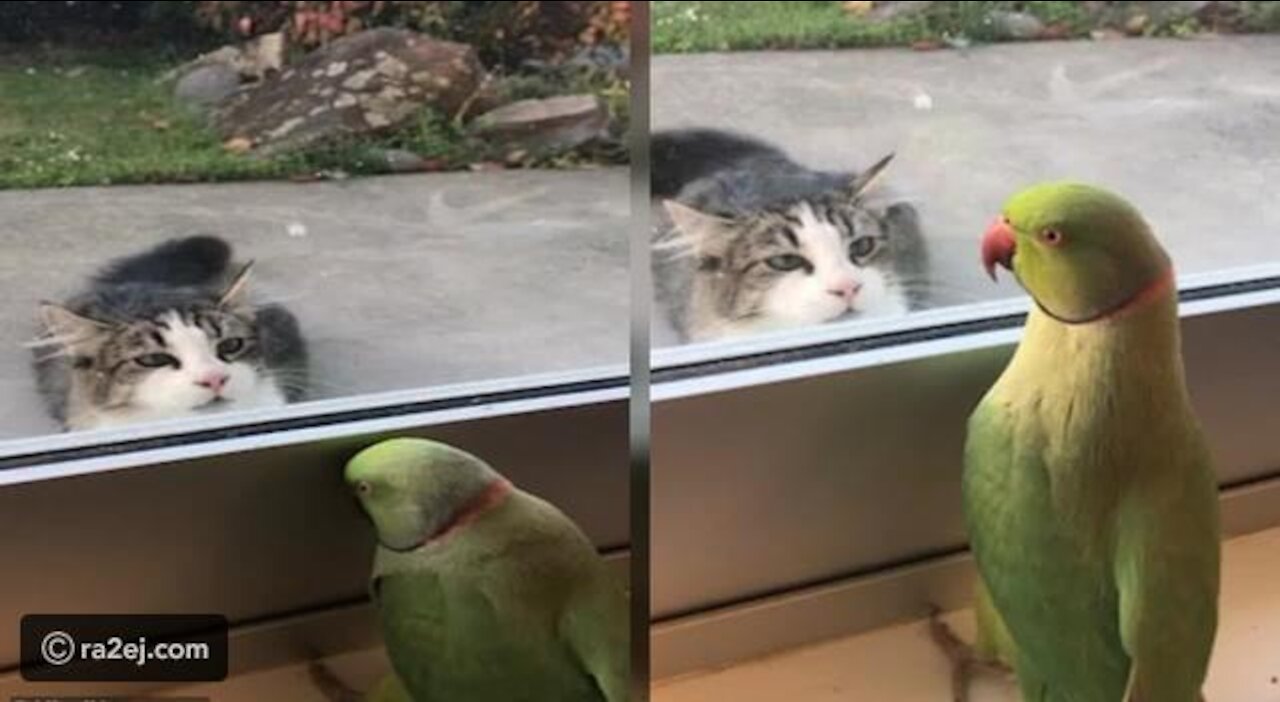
[
  {"x": 260, "y": 206},
  {"x": 760, "y": 131},
  {"x": 242, "y": 241}
]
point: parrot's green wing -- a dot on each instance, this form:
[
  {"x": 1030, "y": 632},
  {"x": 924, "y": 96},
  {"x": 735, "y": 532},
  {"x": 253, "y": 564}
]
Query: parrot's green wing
[
  {"x": 1055, "y": 594},
  {"x": 453, "y": 639},
  {"x": 516, "y": 608},
  {"x": 596, "y": 625},
  {"x": 1167, "y": 568}
]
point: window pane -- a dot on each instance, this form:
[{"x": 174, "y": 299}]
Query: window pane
[
  {"x": 1183, "y": 129},
  {"x": 418, "y": 212}
]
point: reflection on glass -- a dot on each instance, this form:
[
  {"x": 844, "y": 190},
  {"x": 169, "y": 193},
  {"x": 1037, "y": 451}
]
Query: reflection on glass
[
  {"x": 756, "y": 153},
  {"x": 439, "y": 195}
]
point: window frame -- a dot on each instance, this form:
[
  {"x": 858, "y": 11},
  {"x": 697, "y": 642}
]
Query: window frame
[{"x": 564, "y": 437}]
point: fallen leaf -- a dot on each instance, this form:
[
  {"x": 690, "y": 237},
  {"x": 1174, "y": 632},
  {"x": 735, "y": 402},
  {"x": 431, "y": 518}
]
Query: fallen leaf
[
  {"x": 1105, "y": 34},
  {"x": 927, "y": 45},
  {"x": 1057, "y": 30},
  {"x": 161, "y": 124},
  {"x": 858, "y": 8},
  {"x": 238, "y": 145}
]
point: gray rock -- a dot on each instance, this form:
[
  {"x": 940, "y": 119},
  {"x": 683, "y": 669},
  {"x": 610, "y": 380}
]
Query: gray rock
[
  {"x": 252, "y": 59},
  {"x": 885, "y": 11},
  {"x": 403, "y": 161},
  {"x": 1015, "y": 25},
  {"x": 207, "y": 86},
  {"x": 552, "y": 124},
  {"x": 368, "y": 82}
]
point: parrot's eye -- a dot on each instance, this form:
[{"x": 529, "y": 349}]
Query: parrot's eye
[
  {"x": 1053, "y": 237},
  {"x": 364, "y": 488}
]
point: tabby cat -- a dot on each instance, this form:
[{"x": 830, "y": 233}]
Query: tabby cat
[
  {"x": 751, "y": 241},
  {"x": 166, "y": 333}
]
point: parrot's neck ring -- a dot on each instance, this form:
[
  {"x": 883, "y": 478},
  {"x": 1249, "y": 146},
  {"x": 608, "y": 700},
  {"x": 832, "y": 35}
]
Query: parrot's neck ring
[
  {"x": 487, "y": 499},
  {"x": 1154, "y": 290}
]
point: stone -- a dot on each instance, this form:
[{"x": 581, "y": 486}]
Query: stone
[
  {"x": 1015, "y": 25},
  {"x": 252, "y": 60},
  {"x": 237, "y": 145},
  {"x": 403, "y": 161},
  {"x": 550, "y": 124},
  {"x": 207, "y": 86},
  {"x": 367, "y": 82},
  {"x": 885, "y": 11},
  {"x": 1137, "y": 24}
]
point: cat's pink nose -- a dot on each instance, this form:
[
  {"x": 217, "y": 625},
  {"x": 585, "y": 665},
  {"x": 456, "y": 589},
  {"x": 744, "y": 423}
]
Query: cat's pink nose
[
  {"x": 214, "y": 380},
  {"x": 845, "y": 289}
]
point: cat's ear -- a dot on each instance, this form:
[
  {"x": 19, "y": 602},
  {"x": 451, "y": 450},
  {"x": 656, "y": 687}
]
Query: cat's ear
[
  {"x": 865, "y": 180},
  {"x": 698, "y": 231},
  {"x": 67, "y": 328},
  {"x": 237, "y": 291}
]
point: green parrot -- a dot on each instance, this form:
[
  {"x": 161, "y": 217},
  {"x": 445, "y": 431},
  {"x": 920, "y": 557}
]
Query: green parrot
[
  {"x": 1088, "y": 487},
  {"x": 485, "y": 593}
]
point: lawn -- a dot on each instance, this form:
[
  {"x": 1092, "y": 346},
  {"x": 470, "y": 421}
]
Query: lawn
[
  {"x": 90, "y": 120},
  {"x": 76, "y": 118},
  {"x": 682, "y": 27}
]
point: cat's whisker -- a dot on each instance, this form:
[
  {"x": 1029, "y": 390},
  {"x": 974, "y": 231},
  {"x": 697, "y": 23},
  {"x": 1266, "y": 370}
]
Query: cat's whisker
[
  {"x": 61, "y": 353},
  {"x": 64, "y": 341}
]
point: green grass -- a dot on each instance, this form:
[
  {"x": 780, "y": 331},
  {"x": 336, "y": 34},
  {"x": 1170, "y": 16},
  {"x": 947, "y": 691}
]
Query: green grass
[
  {"x": 680, "y": 27},
  {"x": 102, "y": 125},
  {"x": 1260, "y": 16},
  {"x": 71, "y": 118}
]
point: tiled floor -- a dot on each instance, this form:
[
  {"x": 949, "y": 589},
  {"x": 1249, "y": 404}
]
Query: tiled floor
[{"x": 901, "y": 664}]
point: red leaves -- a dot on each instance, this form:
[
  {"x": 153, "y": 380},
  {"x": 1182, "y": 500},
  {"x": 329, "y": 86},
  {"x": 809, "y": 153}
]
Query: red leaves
[{"x": 548, "y": 30}]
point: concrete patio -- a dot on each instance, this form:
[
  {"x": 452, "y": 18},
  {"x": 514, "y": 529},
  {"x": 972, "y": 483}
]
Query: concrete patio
[
  {"x": 1186, "y": 129},
  {"x": 399, "y": 282}
]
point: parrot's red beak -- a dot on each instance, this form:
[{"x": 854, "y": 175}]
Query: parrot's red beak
[{"x": 998, "y": 245}]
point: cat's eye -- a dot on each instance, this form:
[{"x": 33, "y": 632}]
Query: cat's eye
[
  {"x": 1052, "y": 237},
  {"x": 786, "y": 262},
  {"x": 230, "y": 347},
  {"x": 862, "y": 247},
  {"x": 157, "y": 360}
]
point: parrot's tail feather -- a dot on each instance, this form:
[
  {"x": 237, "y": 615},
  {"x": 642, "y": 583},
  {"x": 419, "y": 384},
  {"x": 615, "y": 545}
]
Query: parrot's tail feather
[{"x": 329, "y": 685}]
